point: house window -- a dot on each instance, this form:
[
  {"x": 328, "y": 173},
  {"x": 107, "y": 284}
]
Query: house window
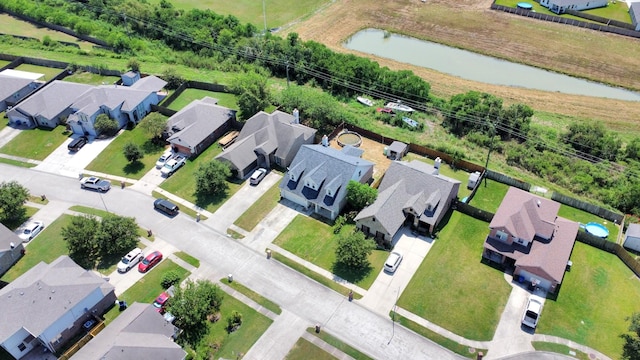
[
  {"x": 365, "y": 229},
  {"x": 502, "y": 235},
  {"x": 22, "y": 346}
]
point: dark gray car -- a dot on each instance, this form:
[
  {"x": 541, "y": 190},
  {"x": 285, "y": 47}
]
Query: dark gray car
[{"x": 166, "y": 207}]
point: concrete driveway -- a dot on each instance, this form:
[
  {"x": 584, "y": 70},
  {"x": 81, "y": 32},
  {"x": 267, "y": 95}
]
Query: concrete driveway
[{"x": 64, "y": 162}]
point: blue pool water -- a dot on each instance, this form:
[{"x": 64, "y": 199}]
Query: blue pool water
[{"x": 596, "y": 229}]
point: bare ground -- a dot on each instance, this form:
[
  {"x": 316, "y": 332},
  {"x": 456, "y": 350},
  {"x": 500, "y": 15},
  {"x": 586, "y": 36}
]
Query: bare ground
[{"x": 472, "y": 25}]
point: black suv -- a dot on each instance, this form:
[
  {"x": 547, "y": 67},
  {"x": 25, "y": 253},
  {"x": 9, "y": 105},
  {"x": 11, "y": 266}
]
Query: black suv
[
  {"x": 166, "y": 207},
  {"x": 77, "y": 144}
]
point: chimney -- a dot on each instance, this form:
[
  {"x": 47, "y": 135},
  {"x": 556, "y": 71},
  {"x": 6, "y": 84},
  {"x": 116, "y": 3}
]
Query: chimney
[
  {"x": 538, "y": 202},
  {"x": 325, "y": 140},
  {"x": 437, "y": 163},
  {"x": 296, "y": 116}
]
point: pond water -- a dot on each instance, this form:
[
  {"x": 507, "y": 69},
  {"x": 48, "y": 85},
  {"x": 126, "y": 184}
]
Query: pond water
[{"x": 472, "y": 66}]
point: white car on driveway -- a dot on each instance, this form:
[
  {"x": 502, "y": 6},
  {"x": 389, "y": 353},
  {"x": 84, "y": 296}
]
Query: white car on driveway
[
  {"x": 257, "y": 176},
  {"x": 173, "y": 165},
  {"x": 393, "y": 261},
  {"x": 130, "y": 260},
  {"x": 30, "y": 230},
  {"x": 164, "y": 158},
  {"x": 532, "y": 313}
]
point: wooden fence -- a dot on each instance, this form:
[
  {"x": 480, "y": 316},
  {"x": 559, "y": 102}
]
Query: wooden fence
[
  {"x": 507, "y": 180},
  {"x": 473, "y": 211},
  {"x": 590, "y": 208}
]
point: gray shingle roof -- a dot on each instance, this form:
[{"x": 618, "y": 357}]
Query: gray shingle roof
[
  {"x": 44, "y": 294},
  {"x": 149, "y": 83},
  {"x": 196, "y": 121},
  {"x": 110, "y": 96},
  {"x": 140, "y": 332},
  {"x": 409, "y": 185},
  {"x": 52, "y": 99},
  {"x": 633, "y": 230},
  {"x": 9, "y": 85},
  {"x": 634, "y": 9},
  {"x": 7, "y": 237}
]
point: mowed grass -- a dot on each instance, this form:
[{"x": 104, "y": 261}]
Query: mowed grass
[
  {"x": 85, "y": 77},
  {"x": 489, "y": 195},
  {"x": 616, "y": 10},
  {"x": 279, "y": 12},
  {"x": 189, "y": 95},
  {"x": 36, "y": 143},
  {"x": 263, "y": 206},
  {"x": 595, "y": 298},
  {"x": 314, "y": 241},
  {"x": 49, "y": 73},
  {"x": 112, "y": 161},
  {"x": 584, "y": 217},
  {"x": 559, "y": 348},
  {"x": 475, "y": 293},
  {"x": 14, "y": 224},
  {"x": 46, "y": 247},
  {"x": 338, "y": 344},
  {"x": 147, "y": 288},
  {"x": 264, "y": 302},
  {"x": 14, "y": 26},
  {"x": 187, "y": 258},
  {"x": 304, "y": 349}
]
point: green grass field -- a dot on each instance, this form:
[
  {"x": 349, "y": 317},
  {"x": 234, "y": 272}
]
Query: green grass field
[
  {"x": 338, "y": 344},
  {"x": 304, "y": 349},
  {"x": 14, "y": 26},
  {"x": 14, "y": 224},
  {"x": 189, "y": 95},
  {"x": 263, "y": 206},
  {"x": 266, "y": 303},
  {"x": 188, "y": 258},
  {"x": 595, "y": 298},
  {"x": 48, "y": 72},
  {"x": 112, "y": 161},
  {"x": 475, "y": 293},
  {"x": 489, "y": 195},
  {"x": 559, "y": 348},
  {"x": 36, "y": 143},
  {"x": 584, "y": 217},
  {"x": 91, "y": 79},
  {"x": 538, "y": 8},
  {"x": 314, "y": 241}
]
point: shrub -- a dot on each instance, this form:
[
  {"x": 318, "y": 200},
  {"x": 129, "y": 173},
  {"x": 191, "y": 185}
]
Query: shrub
[{"x": 170, "y": 278}]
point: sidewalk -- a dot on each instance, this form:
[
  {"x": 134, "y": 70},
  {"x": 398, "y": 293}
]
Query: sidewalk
[
  {"x": 269, "y": 228},
  {"x": 277, "y": 341}
]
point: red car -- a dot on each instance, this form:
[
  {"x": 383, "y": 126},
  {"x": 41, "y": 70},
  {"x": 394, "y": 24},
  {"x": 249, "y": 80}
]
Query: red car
[
  {"x": 150, "y": 261},
  {"x": 160, "y": 302}
]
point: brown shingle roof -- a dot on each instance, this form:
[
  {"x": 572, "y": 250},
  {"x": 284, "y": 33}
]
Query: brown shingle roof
[{"x": 525, "y": 215}]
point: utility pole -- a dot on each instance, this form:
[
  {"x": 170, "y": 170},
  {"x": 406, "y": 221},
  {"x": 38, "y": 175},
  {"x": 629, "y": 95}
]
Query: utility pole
[
  {"x": 287, "y": 73},
  {"x": 493, "y": 135},
  {"x": 264, "y": 16}
]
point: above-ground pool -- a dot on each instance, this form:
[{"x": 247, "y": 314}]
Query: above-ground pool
[
  {"x": 349, "y": 138},
  {"x": 596, "y": 229},
  {"x": 525, "y": 5}
]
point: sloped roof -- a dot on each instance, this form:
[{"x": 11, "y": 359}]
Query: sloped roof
[
  {"x": 266, "y": 133},
  {"x": 633, "y": 230},
  {"x": 140, "y": 332},
  {"x": 196, "y": 121},
  {"x": 44, "y": 294},
  {"x": 149, "y": 83},
  {"x": 9, "y": 85},
  {"x": 111, "y": 96},
  {"x": 635, "y": 10},
  {"x": 7, "y": 237},
  {"x": 52, "y": 99},
  {"x": 526, "y": 215},
  {"x": 412, "y": 185}
]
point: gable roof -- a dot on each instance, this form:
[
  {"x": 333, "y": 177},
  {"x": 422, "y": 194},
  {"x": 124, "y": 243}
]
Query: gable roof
[
  {"x": 266, "y": 133},
  {"x": 9, "y": 85},
  {"x": 110, "y": 96},
  {"x": 193, "y": 123},
  {"x": 149, "y": 83},
  {"x": 526, "y": 215},
  {"x": 52, "y": 99},
  {"x": 635, "y": 10},
  {"x": 140, "y": 332},
  {"x": 7, "y": 237},
  {"x": 410, "y": 185},
  {"x": 44, "y": 294},
  {"x": 633, "y": 231}
]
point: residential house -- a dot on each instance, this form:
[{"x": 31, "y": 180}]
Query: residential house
[
  {"x": 11, "y": 248},
  {"x": 632, "y": 237},
  {"x": 318, "y": 177},
  {"x": 15, "y": 85},
  {"x": 561, "y": 6},
  {"x": 527, "y": 234},
  {"x": 634, "y": 12},
  {"x": 195, "y": 127},
  {"x": 140, "y": 332},
  {"x": 48, "y": 304},
  {"x": 413, "y": 193},
  {"x": 265, "y": 140}
]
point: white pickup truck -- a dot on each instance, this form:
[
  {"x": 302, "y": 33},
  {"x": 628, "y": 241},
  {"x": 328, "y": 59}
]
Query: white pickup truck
[
  {"x": 95, "y": 183},
  {"x": 173, "y": 165}
]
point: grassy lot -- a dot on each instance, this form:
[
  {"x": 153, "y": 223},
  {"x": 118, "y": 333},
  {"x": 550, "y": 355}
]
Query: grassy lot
[
  {"x": 616, "y": 10},
  {"x": 14, "y": 224},
  {"x": 91, "y": 78},
  {"x": 112, "y": 161},
  {"x": 16, "y": 163},
  {"x": 48, "y": 72},
  {"x": 435, "y": 337},
  {"x": 4, "y": 63},
  {"x": 559, "y": 348},
  {"x": 36, "y": 143},
  {"x": 188, "y": 258},
  {"x": 338, "y": 344},
  {"x": 448, "y": 171},
  {"x": 314, "y": 241},
  {"x": 234, "y": 345},
  {"x": 585, "y": 217},
  {"x": 14, "y": 26},
  {"x": 304, "y": 349},
  {"x": 183, "y": 182},
  {"x": 489, "y": 196},
  {"x": 266, "y": 303},
  {"x": 189, "y": 95},
  {"x": 46, "y": 247},
  {"x": 475, "y": 293},
  {"x": 148, "y": 288},
  {"x": 263, "y": 206},
  {"x": 595, "y": 298}
]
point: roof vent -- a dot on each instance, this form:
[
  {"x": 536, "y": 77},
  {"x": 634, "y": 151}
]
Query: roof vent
[
  {"x": 538, "y": 202},
  {"x": 21, "y": 292}
]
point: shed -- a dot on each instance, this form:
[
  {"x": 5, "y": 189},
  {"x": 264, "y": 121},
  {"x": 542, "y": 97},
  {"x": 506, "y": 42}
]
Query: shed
[
  {"x": 397, "y": 150},
  {"x": 474, "y": 178},
  {"x": 130, "y": 77},
  {"x": 632, "y": 237}
]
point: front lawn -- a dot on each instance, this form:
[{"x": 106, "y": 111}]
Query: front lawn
[
  {"x": 304, "y": 349},
  {"x": 489, "y": 195},
  {"x": 14, "y": 224},
  {"x": 595, "y": 298},
  {"x": 475, "y": 294},
  {"x": 263, "y": 206},
  {"x": 314, "y": 241},
  {"x": 46, "y": 247},
  {"x": 36, "y": 143},
  {"x": 112, "y": 161}
]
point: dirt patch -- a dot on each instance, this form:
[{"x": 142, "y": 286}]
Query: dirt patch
[
  {"x": 373, "y": 151},
  {"x": 472, "y": 25}
]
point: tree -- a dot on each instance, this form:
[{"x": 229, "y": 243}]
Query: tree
[
  {"x": 360, "y": 195},
  {"x": 354, "y": 249},
  {"x": 631, "y": 347},
  {"x": 594, "y": 139},
  {"x": 172, "y": 78},
  {"x": 154, "y": 125},
  {"x": 133, "y": 64},
  {"x": 12, "y": 198},
  {"x": 191, "y": 304},
  {"x": 80, "y": 238},
  {"x": 253, "y": 93},
  {"x": 116, "y": 235},
  {"x": 132, "y": 152},
  {"x": 105, "y": 125},
  {"x": 211, "y": 178},
  {"x": 632, "y": 150}
]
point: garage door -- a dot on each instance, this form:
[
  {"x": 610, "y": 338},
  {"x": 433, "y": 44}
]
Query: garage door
[{"x": 542, "y": 283}]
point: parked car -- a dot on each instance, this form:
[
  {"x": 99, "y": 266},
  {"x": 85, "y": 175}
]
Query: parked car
[
  {"x": 164, "y": 158},
  {"x": 393, "y": 261},
  {"x": 166, "y": 207},
  {"x": 172, "y": 165},
  {"x": 130, "y": 260},
  {"x": 532, "y": 313},
  {"x": 150, "y": 261},
  {"x": 95, "y": 183},
  {"x": 257, "y": 176},
  {"x": 77, "y": 143},
  {"x": 31, "y": 230},
  {"x": 160, "y": 302}
]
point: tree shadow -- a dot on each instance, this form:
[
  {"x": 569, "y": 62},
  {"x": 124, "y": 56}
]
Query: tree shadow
[
  {"x": 133, "y": 167},
  {"x": 203, "y": 199},
  {"x": 108, "y": 261},
  {"x": 152, "y": 146},
  {"x": 19, "y": 216},
  {"x": 352, "y": 275}
]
